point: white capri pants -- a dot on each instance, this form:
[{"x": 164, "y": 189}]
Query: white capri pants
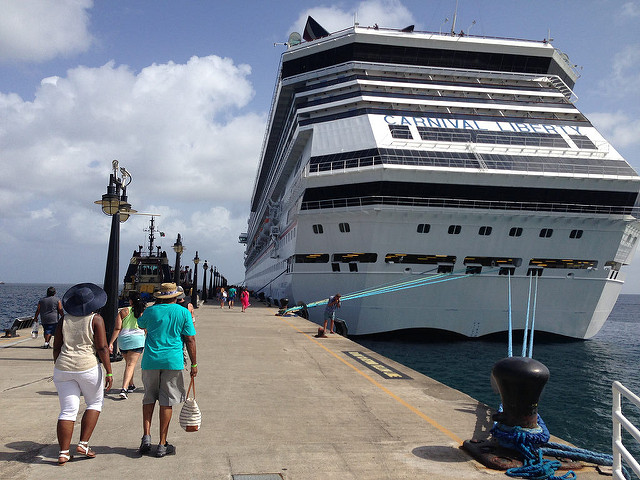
[{"x": 71, "y": 385}]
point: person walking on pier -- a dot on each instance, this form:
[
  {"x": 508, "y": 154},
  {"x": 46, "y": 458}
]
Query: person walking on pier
[
  {"x": 50, "y": 311},
  {"x": 167, "y": 325},
  {"x": 330, "y": 312},
  {"x": 244, "y": 299},
  {"x": 131, "y": 339},
  {"x": 223, "y": 297},
  {"x": 79, "y": 337},
  {"x": 232, "y": 296}
]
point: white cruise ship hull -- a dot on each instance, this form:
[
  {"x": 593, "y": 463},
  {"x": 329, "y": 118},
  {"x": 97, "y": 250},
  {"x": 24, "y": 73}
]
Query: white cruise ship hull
[{"x": 487, "y": 192}]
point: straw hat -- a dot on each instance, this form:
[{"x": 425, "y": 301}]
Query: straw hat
[
  {"x": 83, "y": 299},
  {"x": 167, "y": 290}
]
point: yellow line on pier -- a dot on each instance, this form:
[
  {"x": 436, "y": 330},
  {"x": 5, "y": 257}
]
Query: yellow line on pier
[{"x": 415, "y": 410}]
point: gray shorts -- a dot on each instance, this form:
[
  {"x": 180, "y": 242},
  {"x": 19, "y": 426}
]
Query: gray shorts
[{"x": 165, "y": 386}]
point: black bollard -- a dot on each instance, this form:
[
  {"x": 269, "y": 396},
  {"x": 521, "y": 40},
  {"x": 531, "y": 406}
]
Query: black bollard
[{"x": 520, "y": 381}]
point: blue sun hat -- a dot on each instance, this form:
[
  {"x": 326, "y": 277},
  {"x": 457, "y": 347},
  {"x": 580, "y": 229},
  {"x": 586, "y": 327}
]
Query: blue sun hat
[{"x": 83, "y": 299}]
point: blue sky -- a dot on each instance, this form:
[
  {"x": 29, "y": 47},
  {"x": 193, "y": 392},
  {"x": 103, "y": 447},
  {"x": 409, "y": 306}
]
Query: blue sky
[{"x": 179, "y": 93}]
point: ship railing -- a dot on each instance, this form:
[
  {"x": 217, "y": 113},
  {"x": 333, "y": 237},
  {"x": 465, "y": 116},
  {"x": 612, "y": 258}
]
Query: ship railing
[
  {"x": 508, "y": 164},
  {"x": 395, "y": 201},
  {"x": 620, "y": 421}
]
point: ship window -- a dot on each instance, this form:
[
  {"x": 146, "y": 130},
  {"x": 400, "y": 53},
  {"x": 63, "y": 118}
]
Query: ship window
[
  {"x": 582, "y": 141},
  {"x": 486, "y": 231},
  {"x": 424, "y": 228},
  {"x": 515, "y": 232},
  {"x": 493, "y": 261},
  {"x": 445, "y": 268},
  {"x": 344, "y": 227},
  {"x": 419, "y": 259},
  {"x": 473, "y": 270},
  {"x": 355, "y": 257},
  {"x": 312, "y": 257},
  {"x": 534, "y": 272},
  {"x": 563, "y": 263},
  {"x": 507, "y": 271},
  {"x": 546, "y": 232},
  {"x": 575, "y": 234},
  {"x": 318, "y": 228},
  {"x": 335, "y": 267},
  {"x": 353, "y": 267},
  {"x": 454, "y": 229},
  {"x": 400, "y": 131}
]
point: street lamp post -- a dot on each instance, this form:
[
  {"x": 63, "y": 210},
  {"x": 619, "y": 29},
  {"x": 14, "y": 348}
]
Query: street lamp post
[
  {"x": 215, "y": 278},
  {"x": 178, "y": 248},
  {"x": 204, "y": 282},
  {"x": 211, "y": 294},
  {"x": 114, "y": 203},
  {"x": 194, "y": 290}
]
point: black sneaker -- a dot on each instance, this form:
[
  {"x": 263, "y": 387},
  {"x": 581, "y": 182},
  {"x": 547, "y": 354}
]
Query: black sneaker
[
  {"x": 123, "y": 394},
  {"x": 145, "y": 445},
  {"x": 131, "y": 388},
  {"x": 166, "y": 449}
]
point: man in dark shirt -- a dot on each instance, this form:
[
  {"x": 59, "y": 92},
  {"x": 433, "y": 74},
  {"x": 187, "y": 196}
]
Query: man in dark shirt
[{"x": 50, "y": 311}]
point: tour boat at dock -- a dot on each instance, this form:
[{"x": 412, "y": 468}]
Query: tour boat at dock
[{"x": 457, "y": 163}]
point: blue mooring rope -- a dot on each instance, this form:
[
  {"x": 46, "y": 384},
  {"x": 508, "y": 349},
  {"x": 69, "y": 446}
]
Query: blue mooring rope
[
  {"x": 389, "y": 288},
  {"x": 533, "y": 444}
]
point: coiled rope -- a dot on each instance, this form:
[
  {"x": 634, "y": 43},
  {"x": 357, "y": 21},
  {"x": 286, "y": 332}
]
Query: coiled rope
[{"x": 533, "y": 443}]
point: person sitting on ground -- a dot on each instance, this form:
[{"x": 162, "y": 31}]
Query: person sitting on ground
[
  {"x": 168, "y": 325},
  {"x": 130, "y": 339},
  {"x": 50, "y": 311},
  {"x": 79, "y": 337}
]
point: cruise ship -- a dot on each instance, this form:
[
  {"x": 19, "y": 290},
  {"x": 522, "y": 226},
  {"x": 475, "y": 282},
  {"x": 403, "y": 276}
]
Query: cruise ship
[{"x": 455, "y": 164}]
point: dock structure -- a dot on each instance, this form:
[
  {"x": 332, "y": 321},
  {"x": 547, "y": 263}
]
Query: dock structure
[{"x": 277, "y": 403}]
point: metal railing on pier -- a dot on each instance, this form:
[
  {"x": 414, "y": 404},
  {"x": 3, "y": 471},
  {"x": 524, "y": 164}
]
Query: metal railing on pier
[{"x": 620, "y": 452}]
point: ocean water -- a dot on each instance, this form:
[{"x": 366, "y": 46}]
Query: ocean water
[
  {"x": 575, "y": 404},
  {"x": 577, "y": 400},
  {"x": 21, "y": 299}
]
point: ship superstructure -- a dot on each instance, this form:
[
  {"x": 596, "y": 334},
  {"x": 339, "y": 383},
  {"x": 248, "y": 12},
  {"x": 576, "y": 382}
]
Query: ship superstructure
[{"x": 393, "y": 155}]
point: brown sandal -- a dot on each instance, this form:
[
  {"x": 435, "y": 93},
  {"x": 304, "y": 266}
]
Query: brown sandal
[{"x": 84, "y": 449}]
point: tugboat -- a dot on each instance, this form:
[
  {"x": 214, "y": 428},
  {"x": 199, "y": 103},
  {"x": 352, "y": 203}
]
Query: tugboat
[{"x": 147, "y": 270}]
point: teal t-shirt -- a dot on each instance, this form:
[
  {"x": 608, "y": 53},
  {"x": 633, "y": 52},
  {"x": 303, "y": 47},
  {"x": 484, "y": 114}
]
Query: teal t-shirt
[{"x": 165, "y": 325}]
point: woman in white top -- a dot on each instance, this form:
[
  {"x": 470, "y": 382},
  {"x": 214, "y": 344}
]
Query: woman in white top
[{"x": 79, "y": 337}]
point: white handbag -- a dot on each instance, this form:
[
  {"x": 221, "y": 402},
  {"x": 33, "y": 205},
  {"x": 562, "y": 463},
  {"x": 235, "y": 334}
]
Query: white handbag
[{"x": 190, "y": 415}]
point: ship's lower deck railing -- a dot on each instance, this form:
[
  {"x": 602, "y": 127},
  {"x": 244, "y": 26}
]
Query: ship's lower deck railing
[
  {"x": 505, "y": 164},
  {"x": 470, "y": 204},
  {"x": 620, "y": 452}
]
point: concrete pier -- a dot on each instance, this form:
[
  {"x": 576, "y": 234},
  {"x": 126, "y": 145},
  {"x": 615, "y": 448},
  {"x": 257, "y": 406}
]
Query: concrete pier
[{"x": 276, "y": 401}]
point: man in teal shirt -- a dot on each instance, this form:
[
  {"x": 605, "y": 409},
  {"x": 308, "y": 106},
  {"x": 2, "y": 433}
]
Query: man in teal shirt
[{"x": 168, "y": 325}]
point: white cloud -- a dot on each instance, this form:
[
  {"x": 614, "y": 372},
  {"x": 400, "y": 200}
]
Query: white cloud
[
  {"x": 385, "y": 13},
  {"x": 630, "y": 9},
  {"x": 625, "y": 73},
  {"x": 618, "y": 128},
  {"x": 180, "y": 129},
  {"x": 38, "y": 30}
]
